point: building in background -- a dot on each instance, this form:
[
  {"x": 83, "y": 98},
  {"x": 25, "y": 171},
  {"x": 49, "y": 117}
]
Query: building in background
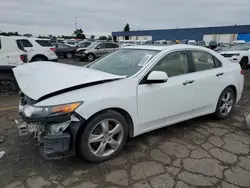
[{"x": 225, "y": 34}]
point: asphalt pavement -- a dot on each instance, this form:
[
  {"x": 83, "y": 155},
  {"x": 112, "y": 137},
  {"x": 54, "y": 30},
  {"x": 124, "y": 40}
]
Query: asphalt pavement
[{"x": 202, "y": 152}]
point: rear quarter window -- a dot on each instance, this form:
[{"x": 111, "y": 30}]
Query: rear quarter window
[
  {"x": 25, "y": 43},
  {"x": 44, "y": 43},
  {"x": 20, "y": 45}
]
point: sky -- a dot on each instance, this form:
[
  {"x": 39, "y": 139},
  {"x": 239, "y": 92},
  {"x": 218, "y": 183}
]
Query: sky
[{"x": 101, "y": 17}]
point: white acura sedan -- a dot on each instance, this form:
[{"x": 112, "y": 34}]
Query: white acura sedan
[{"x": 93, "y": 110}]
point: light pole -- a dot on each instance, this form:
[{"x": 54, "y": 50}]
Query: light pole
[{"x": 76, "y": 22}]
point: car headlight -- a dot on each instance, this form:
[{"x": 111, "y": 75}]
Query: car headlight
[
  {"x": 236, "y": 54},
  {"x": 49, "y": 111}
]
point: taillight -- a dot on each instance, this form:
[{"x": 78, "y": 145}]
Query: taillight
[
  {"x": 242, "y": 72},
  {"x": 24, "y": 58},
  {"x": 53, "y": 49}
]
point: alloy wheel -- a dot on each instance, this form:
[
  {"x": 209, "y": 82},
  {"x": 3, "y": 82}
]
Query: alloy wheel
[
  {"x": 106, "y": 137},
  {"x": 69, "y": 55},
  {"x": 90, "y": 57},
  {"x": 226, "y": 104}
]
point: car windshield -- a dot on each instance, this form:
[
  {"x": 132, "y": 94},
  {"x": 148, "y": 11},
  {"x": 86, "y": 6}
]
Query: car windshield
[
  {"x": 124, "y": 62},
  {"x": 239, "y": 48}
]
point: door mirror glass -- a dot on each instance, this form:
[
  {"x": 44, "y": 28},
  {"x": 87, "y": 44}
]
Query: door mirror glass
[{"x": 157, "y": 77}]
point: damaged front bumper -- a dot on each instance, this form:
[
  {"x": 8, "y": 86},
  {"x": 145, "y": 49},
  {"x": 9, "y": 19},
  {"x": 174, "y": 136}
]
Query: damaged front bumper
[
  {"x": 55, "y": 135},
  {"x": 56, "y": 140}
]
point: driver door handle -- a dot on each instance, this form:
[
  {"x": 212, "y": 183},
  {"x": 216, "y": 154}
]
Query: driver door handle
[
  {"x": 219, "y": 74},
  {"x": 188, "y": 82}
]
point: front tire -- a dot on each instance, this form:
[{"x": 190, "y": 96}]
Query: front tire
[
  {"x": 225, "y": 103},
  {"x": 104, "y": 136},
  {"x": 90, "y": 57}
]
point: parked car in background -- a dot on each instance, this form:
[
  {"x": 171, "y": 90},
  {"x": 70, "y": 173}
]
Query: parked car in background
[
  {"x": 96, "y": 50},
  {"x": 225, "y": 44},
  {"x": 201, "y": 43},
  {"x": 192, "y": 42},
  {"x": 185, "y": 41},
  {"x": 65, "y": 50},
  {"x": 134, "y": 90},
  {"x": 70, "y": 42},
  {"x": 213, "y": 44},
  {"x": 38, "y": 49},
  {"x": 160, "y": 42},
  {"x": 236, "y": 42},
  {"x": 83, "y": 44},
  {"x": 12, "y": 54},
  {"x": 222, "y": 48},
  {"x": 125, "y": 45},
  {"x": 238, "y": 54}
]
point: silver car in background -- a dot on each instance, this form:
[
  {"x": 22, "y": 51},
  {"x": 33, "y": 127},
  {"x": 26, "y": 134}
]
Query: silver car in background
[{"x": 96, "y": 50}]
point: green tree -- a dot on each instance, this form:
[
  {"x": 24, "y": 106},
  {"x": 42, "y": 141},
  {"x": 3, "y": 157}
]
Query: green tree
[
  {"x": 92, "y": 37},
  {"x": 103, "y": 38},
  {"x": 109, "y": 37},
  {"x": 27, "y": 35},
  {"x": 127, "y": 28},
  {"x": 79, "y": 34}
]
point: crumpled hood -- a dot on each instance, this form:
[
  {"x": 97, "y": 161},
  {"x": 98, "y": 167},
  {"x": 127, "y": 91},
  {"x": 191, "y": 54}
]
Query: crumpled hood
[
  {"x": 81, "y": 49},
  {"x": 38, "y": 79}
]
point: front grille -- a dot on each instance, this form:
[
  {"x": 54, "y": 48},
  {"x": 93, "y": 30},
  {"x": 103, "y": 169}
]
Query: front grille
[{"x": 227, "y": 55}]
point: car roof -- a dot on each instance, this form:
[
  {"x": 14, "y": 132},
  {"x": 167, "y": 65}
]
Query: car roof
[
  {"x": 32, "y": 38},
  {"x": 165, "y": 47}
]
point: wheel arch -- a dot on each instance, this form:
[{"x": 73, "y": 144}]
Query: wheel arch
[
  {"x": 91, "y": 54},
  {"x": 246, "y": 57},
  {"x": 39, "y": 55},
  {"x": 121, "y": 111},
  {"x": 234, "y": 89}
]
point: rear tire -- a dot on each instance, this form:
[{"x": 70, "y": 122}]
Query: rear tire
[
  {"x": 244, "y": 62},
  {"x": 225, "y": 103},
  {"x": 8, "y": 84},
  {"x": 89, "y": 149},
  {"x": 68, "y": 55}
]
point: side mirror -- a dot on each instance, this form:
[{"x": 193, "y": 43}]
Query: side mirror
[
  {"x": 97, "y": 48},
  {"x": 157, "y": 77}
]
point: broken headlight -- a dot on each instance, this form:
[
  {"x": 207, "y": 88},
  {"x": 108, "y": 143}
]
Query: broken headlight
[{"x": 38, "y": 112}]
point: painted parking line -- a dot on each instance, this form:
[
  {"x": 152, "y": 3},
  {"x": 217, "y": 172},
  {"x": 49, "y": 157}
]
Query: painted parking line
[{"x": 9, "y": 108}]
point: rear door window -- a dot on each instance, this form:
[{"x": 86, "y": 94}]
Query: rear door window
[
  {"x": 110, "y": 45},
  {"x": 44, "y": 43},
  {"x": 204, "y": 61},
  {"x": 26, "y": 43},
  {"x": 102, "y": 45}
]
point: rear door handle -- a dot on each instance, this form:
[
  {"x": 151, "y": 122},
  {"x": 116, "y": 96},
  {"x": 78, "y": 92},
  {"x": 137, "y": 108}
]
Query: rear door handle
[
  {"x": 188, "y": 82},
  {"x": 219, "y": 74}
]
